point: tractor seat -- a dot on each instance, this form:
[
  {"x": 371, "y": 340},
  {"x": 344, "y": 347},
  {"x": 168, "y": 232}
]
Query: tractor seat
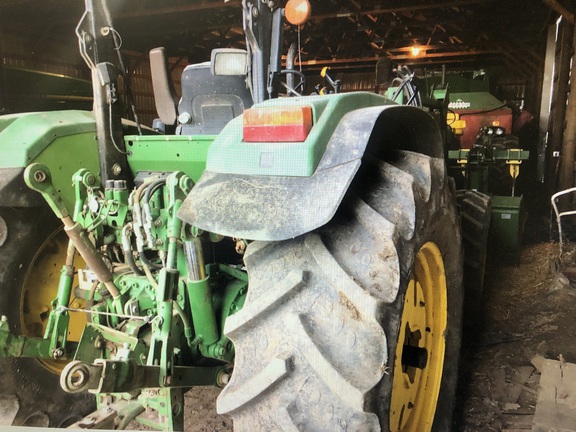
[{"x": 208, "y": 101}]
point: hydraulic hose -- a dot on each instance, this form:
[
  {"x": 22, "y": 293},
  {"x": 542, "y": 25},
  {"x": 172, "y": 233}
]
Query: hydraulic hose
[{"x": 127, "y": 249}]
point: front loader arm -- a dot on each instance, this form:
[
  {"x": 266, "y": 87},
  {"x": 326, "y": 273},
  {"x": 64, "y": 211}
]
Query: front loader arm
[{"x": 99, "y": 46}]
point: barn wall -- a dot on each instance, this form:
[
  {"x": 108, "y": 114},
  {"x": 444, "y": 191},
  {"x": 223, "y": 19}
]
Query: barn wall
[
  {"x": 55, "y": 57},
  {"x": 46, "y": 55},
  {"x": 139, "y": 66}
]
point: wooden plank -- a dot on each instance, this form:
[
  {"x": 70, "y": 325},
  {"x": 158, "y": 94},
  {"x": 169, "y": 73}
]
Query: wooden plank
[
  {"x": 517, "y": 422},
  {"x": 566, "y": 180},
  {"x": 556, "y": 406},
  {"x": 561, "y": 9},
  {"x": 557, "y": 113},
  {"x": 519, "y": 377}
]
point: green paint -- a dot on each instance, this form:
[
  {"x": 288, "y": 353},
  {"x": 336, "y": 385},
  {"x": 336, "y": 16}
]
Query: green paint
[
  {"x": 475, "y": 101},
  {"x": 167, "y": 153},
  {"x": 202, "y": 307},
  {"x": 507, "y": 226},
  {"x": 167, "y": 406},
  {"x": 64, "y": 141},
  {"x": 22, "y": 346},
  {"x": 39, "y": 178},
  {"x": 69, "y": 158},
  {"x": 229, "y": 154},
  {"x": 24, "y": 136},
  {"x": 57, "y": 328}
]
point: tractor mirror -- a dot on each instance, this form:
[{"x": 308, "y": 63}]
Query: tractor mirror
[{"x": 228, "y": 61}]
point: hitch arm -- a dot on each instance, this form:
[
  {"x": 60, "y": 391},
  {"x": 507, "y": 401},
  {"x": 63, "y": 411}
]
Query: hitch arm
[
  {"x": 38, "y": 178},
  {"x": 21, "y": 346}
]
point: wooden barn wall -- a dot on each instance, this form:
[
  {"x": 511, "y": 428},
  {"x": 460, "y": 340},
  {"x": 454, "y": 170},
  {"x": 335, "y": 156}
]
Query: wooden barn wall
[
  {"x": 350, "y": 81},
  {"x": 45, "y": 55},
  {"x": 53, "y": 57},
  {"x": 59, "y": 58},
  {"x": 360, "y": 81},
  {"x": 141, "y": 80}
]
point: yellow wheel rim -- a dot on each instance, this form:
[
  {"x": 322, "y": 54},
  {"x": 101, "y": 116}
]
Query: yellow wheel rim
[
  {"x": 419, "y": 360},
  {"x": 41, "y": 287}
]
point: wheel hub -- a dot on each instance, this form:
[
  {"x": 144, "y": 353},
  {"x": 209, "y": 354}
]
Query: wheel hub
[
  {"x": 421, "y": 345},
  {"x": 39, "y": 290}
]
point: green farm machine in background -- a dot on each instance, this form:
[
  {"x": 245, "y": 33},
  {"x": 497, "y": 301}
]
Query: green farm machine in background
[
  {"x": 483, "y": 158},
  {"x": 303, "y": 253}
]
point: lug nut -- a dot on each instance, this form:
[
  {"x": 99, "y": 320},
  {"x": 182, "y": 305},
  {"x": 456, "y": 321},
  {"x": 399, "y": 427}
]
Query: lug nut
[{"x": 223, "y": 379}]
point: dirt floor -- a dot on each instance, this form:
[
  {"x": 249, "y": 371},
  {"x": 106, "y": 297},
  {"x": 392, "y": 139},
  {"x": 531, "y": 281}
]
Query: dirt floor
[{"x": 529, "y": 315}]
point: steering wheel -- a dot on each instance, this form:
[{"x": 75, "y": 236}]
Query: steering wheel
[{"x": 299, "y": 88}]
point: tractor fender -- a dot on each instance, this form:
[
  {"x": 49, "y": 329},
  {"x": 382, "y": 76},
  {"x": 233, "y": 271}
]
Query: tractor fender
[
  {"x": 273, "y": 208},
  {"x": 65, "y": 141},
  {"x": 25, "y": 137}
]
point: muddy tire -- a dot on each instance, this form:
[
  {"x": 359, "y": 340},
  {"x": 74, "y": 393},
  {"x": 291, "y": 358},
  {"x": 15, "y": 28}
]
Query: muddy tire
[
  {"x": 30, "y": 393},
  {"x": 321, "y": 341}
]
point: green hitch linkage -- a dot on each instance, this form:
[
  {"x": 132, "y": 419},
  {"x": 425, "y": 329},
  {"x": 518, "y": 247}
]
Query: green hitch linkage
[
  {"x": 38, "y": 178},
  {"x": 200, "y": 295},
  {"x": 162, "y": 343}
]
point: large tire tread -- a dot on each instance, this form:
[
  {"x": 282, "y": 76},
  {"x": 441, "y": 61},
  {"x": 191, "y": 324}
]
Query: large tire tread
[
  {"x": 475, "y": 215},
  {"x": 35, "y": 390},
  {"x": 310, "y": 346}
]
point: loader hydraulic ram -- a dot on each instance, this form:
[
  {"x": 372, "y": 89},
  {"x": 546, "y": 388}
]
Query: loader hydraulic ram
[{"x": 303, "y": 253}]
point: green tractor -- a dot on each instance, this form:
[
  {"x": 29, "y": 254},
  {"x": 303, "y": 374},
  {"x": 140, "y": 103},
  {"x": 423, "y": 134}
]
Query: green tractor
[{"x": 303, "y": 253}]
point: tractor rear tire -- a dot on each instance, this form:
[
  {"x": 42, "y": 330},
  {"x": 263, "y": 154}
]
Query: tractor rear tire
[
  {"x": 356, "y": 326},
  {"x": 32, "y": 389}
]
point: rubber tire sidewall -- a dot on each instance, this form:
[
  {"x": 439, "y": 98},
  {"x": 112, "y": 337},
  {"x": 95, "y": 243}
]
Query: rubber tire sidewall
[
  {"x": 37, "y": 389},
  {"x": 446, "y": 237}
]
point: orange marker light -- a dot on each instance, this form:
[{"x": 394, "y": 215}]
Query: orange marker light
[
  {"x": 297, "y": 12},
  {"x": 277, "y": 124}
]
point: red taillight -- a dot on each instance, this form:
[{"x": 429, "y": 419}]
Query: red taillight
[{"x": 277, "y": 124}]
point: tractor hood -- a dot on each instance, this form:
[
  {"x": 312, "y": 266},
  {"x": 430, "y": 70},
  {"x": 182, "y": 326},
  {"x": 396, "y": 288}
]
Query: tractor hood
[{"x": 271, "y": 208}]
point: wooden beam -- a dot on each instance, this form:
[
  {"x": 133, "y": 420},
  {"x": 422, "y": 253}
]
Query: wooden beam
[
  {"x": 558, "y": 7},
  {"x": 523, "y": 61},
  {"x": 422, "y": 63},
  {"x": 446, "y": 54},
  {"x": 399, "y": 9},
  {"x": 176, "y": 63},
  {"x": 8, "y": 3},
  {"x": 400, "y": 57},
  {"x": 568, "y": 155},
  {"x": 563, "y": 54},
  {"x": 195, "y": 7},
  {"x": 515, "y": 64}
]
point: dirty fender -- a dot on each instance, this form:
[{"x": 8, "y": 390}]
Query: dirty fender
[{"x": 272, "y": 208}]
